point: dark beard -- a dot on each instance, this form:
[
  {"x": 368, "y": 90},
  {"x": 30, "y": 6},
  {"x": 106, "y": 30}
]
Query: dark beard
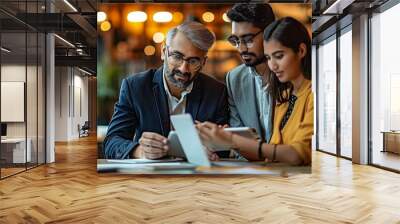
[
  {"x": 258, "y": 60},
  {"x": 177, "y": 83}
]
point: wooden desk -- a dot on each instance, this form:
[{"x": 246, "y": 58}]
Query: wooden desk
[
  {"x": 276, "y": 169},
  {"x": 71, "y": 191},
  {"x": 391, "y": 141}
]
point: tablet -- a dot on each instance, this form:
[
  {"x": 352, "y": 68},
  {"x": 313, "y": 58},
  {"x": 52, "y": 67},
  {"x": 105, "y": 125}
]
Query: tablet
[
  {"x": 176, "y": 150},
  {"x": 175, "y": 147},
  {"x": 244, "y": 131},
  {"x": 190, "y": 140}
]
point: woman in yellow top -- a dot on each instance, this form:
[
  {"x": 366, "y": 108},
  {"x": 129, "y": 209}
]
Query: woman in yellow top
[{"x": 287, "y": 47}]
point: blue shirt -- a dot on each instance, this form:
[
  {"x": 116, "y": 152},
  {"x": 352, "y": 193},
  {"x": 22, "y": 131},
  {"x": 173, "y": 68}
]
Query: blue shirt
[{"x": 264, "y": 101}]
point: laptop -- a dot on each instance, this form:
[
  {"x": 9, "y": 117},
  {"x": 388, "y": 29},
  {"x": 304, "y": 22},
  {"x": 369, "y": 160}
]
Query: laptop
[{"x": 192, "y": 145}]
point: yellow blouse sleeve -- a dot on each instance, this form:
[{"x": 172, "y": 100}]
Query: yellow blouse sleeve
[{"x": 303, "y": 136}]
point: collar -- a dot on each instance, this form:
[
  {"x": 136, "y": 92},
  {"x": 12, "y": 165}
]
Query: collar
[
  {"x": 253, "y": 71},
  {"x": 304, "y": 88},
  {"x": 258, "y": 78}
]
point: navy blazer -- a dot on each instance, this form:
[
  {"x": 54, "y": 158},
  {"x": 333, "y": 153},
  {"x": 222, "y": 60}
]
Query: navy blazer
[{"x": 143, "y": 107}]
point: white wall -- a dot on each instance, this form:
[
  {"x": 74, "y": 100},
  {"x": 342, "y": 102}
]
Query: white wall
[
  {"x": 33, "y": 126},
  {"x": 80, "y": 100},
  {"x": 70, "y": 83},
  {"x": 61, "y": 103},
  {"x": 12, "y": 73}
]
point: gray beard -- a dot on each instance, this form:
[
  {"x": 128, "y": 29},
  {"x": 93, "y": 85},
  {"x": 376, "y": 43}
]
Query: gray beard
[
  {"x": 176, "y": 83},
  {"x": 170, "y": 77}
]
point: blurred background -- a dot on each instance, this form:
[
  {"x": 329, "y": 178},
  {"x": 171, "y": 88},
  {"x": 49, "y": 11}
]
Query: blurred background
[{"x": 130, "y": 37}]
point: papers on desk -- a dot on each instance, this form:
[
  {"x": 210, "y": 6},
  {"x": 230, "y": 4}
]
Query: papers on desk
[
  {"x": 146, "y": 165},
  {"x": 162, "y": 167},
  {"x": 142, "y": 161},
  {"x": 236, "y": 163},
  {"x": 143, "y": 165},
  {"x": 244, "y": 170}
]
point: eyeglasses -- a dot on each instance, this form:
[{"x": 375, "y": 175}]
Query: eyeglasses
[
  {"x": 246, "y": 39},
  {"x": 177, "y": 59}
]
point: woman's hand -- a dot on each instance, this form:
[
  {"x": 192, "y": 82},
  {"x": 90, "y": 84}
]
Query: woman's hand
[
  {"x": 212, "y": 156},
  {"x": 214, "y": 136}
]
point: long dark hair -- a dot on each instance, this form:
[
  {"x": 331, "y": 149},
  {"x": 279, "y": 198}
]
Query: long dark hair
[{"x": 290, "y": 33}]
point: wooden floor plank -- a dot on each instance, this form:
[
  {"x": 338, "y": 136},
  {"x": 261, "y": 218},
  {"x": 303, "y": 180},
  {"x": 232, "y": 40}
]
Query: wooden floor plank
[{"x": 71, "y": 191}]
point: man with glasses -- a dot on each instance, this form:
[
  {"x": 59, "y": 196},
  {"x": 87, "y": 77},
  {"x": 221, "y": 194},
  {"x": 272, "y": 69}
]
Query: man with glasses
[
  {"x": 250, "y": 103},
  {"x": 141, "y": 119}
]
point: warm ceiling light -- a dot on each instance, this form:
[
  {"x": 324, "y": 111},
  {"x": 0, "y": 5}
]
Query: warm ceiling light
[
  {"x": 5, "y": 49},
  {"x": 137, "y": 17},
  {"x": 162, "y": 17},
  {"x": 208, "y": 17},
  {"x": 70, "y": 5},
  {"x": 177, "y": 17},
  {"x": 158, "y": 37},
  {"x": 101, "y": 16},
  {"x": 149, "y": 50},
  {"x": 105, "y": 26},
  {"x": 226, "y": 18}
]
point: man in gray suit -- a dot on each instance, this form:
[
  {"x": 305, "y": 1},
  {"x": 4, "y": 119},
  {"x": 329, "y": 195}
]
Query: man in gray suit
[{"x": 249, "y": 101}]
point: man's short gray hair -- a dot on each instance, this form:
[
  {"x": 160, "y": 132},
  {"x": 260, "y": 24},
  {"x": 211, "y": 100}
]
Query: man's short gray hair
[{"x": 197, "y": 33}]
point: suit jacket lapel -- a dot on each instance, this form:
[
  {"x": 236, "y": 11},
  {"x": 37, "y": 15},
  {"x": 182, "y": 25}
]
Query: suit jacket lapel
[
  {"x": 193, "y": 99},
  {"x": 161, "y": 101},
  {"x": 252, "y": 113}
]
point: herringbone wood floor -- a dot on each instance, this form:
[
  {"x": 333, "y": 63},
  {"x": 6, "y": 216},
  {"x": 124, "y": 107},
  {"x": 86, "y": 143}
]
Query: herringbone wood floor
[{"x": 70, "y": 191}]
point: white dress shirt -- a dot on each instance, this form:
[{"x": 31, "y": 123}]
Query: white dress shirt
[{"x": 177, "y": 106}]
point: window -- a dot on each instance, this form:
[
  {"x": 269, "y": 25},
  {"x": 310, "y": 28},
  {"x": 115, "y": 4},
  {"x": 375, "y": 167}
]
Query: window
[
  {"x": 326, "y": 140},
  {"x": 22, "y": 75},
  {"x": 385, "y": 88},
  {"x": 345, "y": 42}
]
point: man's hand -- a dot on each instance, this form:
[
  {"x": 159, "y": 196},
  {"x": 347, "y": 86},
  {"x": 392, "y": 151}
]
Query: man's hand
[{"x": 151, "y": 146}]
